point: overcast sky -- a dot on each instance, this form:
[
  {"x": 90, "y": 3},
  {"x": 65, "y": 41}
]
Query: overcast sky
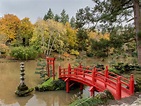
[{"x": 35, "y": 9}]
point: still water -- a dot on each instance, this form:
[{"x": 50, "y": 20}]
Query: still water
[{"x": 10, "y": 78}]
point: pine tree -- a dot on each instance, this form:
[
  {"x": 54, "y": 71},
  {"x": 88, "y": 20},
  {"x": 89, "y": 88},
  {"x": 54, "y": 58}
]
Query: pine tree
[
  {"x": 49, "y": 15},
  {"x": 64, "y": 17},
  {"x": 57, "y": 18},
  {"x": 72, "y": 22}
]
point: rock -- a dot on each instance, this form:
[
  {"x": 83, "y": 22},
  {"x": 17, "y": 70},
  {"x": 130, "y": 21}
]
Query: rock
[{"x": 24, "y": 92}]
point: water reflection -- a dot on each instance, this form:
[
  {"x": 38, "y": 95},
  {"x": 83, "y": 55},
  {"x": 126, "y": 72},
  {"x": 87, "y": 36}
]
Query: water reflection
[{"x": 10, "y": 78}]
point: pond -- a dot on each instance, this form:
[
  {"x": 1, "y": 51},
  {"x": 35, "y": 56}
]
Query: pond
[{"x": 10, "y": 79}]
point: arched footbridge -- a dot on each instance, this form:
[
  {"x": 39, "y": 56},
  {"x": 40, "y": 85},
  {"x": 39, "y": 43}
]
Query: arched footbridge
[{"x": 119, "y": 86}]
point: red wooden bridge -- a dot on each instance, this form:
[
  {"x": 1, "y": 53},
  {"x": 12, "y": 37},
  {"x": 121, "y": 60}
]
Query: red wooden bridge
[{"x": 119, "y": 86}]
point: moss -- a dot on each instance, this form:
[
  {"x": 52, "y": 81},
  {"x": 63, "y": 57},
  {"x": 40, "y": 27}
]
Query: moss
[
  {"x": 48, "y": 82},
  {"x": 51, "y": 85}
]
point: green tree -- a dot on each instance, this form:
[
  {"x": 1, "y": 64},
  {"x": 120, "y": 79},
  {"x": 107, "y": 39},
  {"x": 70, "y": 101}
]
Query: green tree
[
  {"x": 49, "y": 15},
  {"x": 64, "y": 17},
  {"x": 57, "y": 18},
  {"x": 72, "y": 22},
  {"x": 100, "y": 48},
  {"x": 80, "y": 19},
  {"x": 84, "y": 17},
  {"x": 108, "y": 14},
  {"x": 82, "y": 38}
]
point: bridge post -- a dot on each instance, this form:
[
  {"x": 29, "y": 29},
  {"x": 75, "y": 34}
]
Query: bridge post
[
  {"x": 59, "y": 71},
  {"x": 67, "y": 85},
  {"x": 81, "y": 87},
  {"x": 106, "y": 72},
  {"x": 92, "y": 90},
  {"x": 80, "y": 65},
  {"x": 131, "y": 84},
  {"x": 93, "y": 76},
  {"x": 106, "y": 75},
  {"x": 69, "y": 69},
  {"x": 50, "y": 62},
  {"x": 118, "y": 88}
]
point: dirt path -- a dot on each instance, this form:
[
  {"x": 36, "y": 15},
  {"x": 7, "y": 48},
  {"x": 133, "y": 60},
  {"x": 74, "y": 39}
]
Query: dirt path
[{"x": 134, "y": 100}]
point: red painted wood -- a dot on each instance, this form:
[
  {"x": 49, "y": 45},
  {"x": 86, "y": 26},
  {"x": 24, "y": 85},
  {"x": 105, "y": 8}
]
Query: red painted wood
[
  {"x": 119, "y": 86},
  {"x": 50, "y": 62},
  {"x": 131, "y": 84}
]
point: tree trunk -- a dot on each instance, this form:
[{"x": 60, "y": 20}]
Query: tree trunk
[{"x": 137, "y": 19}]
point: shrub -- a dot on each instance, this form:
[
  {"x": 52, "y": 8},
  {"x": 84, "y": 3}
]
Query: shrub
[
  {"x": 74, "y": 52},
  {"x": 4, "y": 48},
  {"x": 23, "y": 53}
]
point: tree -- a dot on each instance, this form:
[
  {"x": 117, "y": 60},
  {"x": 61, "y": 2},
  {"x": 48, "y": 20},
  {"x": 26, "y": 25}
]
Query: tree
[
  {"x": 64, "y": 17},
  {"x": 40, "y": 36},
  {"x": 108, "y": 14},
  {"x": 57, "y": 18},
  {"x": 82, "y": 38},
  {"x": 49, "y": 15},
  {"x": 48, "y": 36},
  {"x": 72, "y": 22},
  {"x": 84, "y": 17},
  {"x": 71, "y": 36},
  {"x": 25, "y": 31},
  {"x": 80, "y": 19},
  {"x": 9, "y": 25},
  {"x": 137, "y": 20}
]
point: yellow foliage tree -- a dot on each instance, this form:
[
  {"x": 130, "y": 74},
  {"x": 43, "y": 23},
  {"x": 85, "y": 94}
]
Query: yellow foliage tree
[
  {"x": 9, "y": 25},
  {"x": 25, "y": 30},
  {"x": 71, "y": 36},
  {"x": 47, "y": 33}
]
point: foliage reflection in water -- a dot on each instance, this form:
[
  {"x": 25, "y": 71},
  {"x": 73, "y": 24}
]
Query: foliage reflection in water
[{"x": 10, "y": 78}]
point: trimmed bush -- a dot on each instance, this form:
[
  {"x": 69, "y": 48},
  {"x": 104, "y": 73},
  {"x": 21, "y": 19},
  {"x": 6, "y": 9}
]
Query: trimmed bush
[{"x": 23, "y": 53}]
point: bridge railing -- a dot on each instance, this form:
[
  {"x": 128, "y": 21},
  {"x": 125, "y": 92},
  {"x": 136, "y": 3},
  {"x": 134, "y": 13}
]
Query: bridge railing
[{"x": 120, "y": 82}]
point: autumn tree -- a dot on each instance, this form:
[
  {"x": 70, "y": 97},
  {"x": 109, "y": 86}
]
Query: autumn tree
[
  {"x": 48, "y": 36},
  {"x": 25, "y": 31},
  {"x": 9, "y": 24},
  {"x": 71, "y": 38},
  {"x": 40, "y": 36}
]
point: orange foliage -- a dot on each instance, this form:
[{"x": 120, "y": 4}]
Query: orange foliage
[
  {"x": 97, "y": 36},
  {"x": 9, "y": 25}
]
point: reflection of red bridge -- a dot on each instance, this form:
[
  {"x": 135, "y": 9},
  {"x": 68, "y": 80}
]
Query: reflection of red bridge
[{"x": 119, "y": 86}]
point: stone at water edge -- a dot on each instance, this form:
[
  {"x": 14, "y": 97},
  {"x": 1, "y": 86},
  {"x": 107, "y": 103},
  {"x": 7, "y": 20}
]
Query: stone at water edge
[
  {"x": 22, "y": 89},
  {"x": 24, "y": 93}
]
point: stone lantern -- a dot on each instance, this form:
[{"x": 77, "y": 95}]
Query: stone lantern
[{"x": 22, "y": 89}]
